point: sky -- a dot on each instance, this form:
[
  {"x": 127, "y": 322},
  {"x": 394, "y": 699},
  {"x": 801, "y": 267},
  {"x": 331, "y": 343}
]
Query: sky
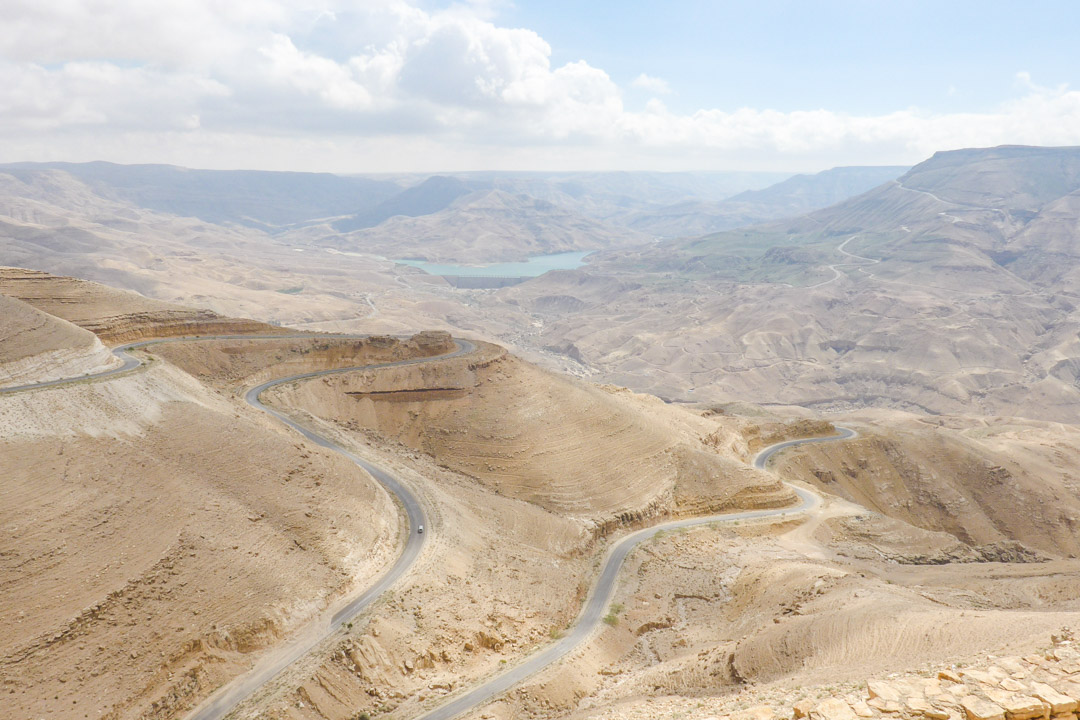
[{"x": 429, "y": 85}]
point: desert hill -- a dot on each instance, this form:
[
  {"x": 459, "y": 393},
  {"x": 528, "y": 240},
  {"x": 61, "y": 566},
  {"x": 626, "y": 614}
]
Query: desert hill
[
  {"x": 746, "y": 622},
  {"x": 808, "y": 192},
  {"x": 569, "y": 447},
  {"x": 612, "y": 189},
  {"x": 53, "y": 222},
  {"x": 157, "y": 532},
  {"x": 428, "y": 197},
  {"x": 701, "y": 614},
  {"x": 794, "y": 196},
  {"x": 245, "y": 197},
  {"x": 116, "y": 316},
  {"x": 988, "y": 482},
  {"x": 894, "y": 298},
  {"x": 36, "y": 346},
  {"x": 980, "y": 199},
  {"x": 1015, "y": 178},
  {"x": 481, "y": 226}
]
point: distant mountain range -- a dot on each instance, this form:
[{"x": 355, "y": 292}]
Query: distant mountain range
[
  {"x": 467, "y": 217},
  {"x": 246, "y": 197},
  {"x": 482, "y": 226},
  {"x": 791, "y": 197},
  {"x": 952, "y": 288}
]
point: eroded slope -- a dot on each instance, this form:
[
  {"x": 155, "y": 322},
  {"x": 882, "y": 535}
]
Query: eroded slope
[
  {"x": 36, "y": 346},
  {"x": 116, "y": 316},
  {"x": 569, "y": 447}
]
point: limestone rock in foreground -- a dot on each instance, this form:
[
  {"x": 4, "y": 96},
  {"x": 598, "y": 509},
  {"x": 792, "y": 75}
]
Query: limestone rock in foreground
[{"x": 977, "y": 708}]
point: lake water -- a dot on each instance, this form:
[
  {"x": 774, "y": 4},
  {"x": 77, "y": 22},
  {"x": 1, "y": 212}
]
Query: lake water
[{"x": 534, "y": 266}]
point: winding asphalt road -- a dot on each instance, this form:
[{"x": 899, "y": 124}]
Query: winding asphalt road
[
  {"x": 131, "y": 363},
  {"x": 221, "y": 703},
  {"x": 218, "y": 705},
  {"x": 597, "y": 603},
  {"x": 761, "y": 460}
]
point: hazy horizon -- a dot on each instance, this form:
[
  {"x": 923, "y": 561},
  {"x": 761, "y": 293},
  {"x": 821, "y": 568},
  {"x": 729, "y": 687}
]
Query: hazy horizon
[{"x": 447, "y": 171}]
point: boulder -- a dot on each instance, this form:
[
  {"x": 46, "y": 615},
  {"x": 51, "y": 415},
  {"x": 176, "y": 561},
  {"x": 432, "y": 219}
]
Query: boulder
[
  {"x": 1020, "y": 707},
  {"x": 885, "y": 706},
  {"x": 918, "y": 706},
  {"x": 883, "y": 690},
  {"x": 1059, "y": 703},
  {"x": 980, "y": 676},
  {"x": 759, "y": 712},
  {"x": 977, "y": 708},
  {"x": 832, "y": 709},
  {"x": 1014, "y": 666},
  {"x": 862, "y": 709}
]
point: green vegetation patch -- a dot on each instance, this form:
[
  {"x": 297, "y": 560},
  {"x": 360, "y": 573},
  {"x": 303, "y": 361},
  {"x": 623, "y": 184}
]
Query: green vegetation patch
[{"x": 612, "y": 618}]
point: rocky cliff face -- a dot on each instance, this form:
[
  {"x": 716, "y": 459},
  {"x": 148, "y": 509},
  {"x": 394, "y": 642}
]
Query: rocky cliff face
[
  {"x": 1044, "y": 686},
  {"x": 117, "y": 316},
  {"x": 36, "y": 347}
]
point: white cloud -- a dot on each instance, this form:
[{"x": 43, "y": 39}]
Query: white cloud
[
  {"x": 99, "y": 93},
  {"x": 335, "y": 85},
  {"x": 381, "y": 84},
  {"x": 655, "y": 85}
]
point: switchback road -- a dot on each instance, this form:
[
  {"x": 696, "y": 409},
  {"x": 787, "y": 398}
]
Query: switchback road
[
  {"x": 218, "y": 705},
  {"x": 222, "y": 702},
  {"x": 597, "y": 603}
]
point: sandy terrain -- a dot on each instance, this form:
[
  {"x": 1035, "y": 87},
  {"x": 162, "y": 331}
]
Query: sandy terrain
[
  {"x": 1045, "y": 683},
  {"x": 983, "y": 480},
  {"x": 487, "y": 226},
  {"x": 712, "y": 615},
  {"x": 201, "y": 533},
  {"x": 116, "y": 316},
  {"x": 712, "y": 622},
  {"x": 158, "y": 532},
  {"x": 36, "y": 346},
  {"x": 569, "y": 447},
  {"x": 164, "y": 496},
  {"x": 514, "y": 556}
]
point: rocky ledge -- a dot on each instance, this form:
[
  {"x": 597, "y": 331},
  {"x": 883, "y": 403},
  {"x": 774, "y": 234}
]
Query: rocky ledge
[{"x": 1045, "y": 686}]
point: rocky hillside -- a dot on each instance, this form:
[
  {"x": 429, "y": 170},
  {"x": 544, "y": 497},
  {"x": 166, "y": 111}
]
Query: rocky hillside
[
  {"x": 574, "y": 449},
  {"x": 479, "y": 227},
  {"x": 1039, "y": 685},
  {"x": 245, "y": 197},
  {"x": 159, "y": 533},
  {"x": 792, "y": 197},
  {"x": 36, "y": 346},
  {"x": 948, "y": 290},
  {"x": 116, "y": 316}
]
